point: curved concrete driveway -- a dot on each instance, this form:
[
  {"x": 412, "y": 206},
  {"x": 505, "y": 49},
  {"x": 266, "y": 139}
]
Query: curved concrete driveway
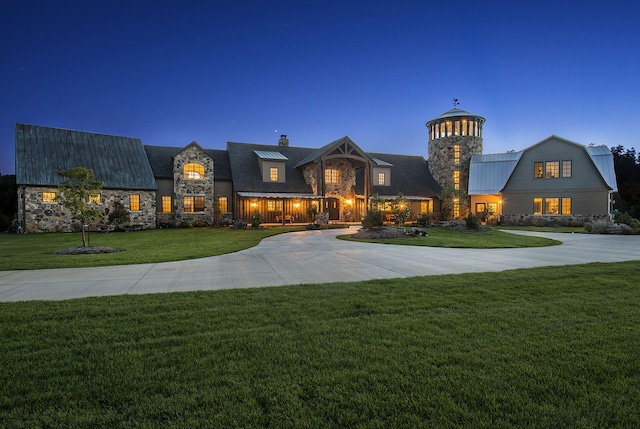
[{"x": 307, "y": 257}]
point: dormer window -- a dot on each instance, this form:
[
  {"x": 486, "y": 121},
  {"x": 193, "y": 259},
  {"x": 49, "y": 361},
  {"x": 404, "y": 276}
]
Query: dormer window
[{"x": 193, "y": 171}]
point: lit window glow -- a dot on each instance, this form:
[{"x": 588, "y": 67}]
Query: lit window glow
[
  {"x": 166, "y": 204},
  {"x": 134, "y": 202},
  {"x": 193, "y": 171},
  {"x": 48, "y": 197}
]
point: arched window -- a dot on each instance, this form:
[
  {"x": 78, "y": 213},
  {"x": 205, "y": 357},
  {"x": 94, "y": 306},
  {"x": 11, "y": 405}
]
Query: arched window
[{"x": 193, "y": 171}]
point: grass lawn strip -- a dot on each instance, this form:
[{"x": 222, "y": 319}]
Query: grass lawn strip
[
  {"x": 443, "y": 237},
  {"x": 552, "y": 347}
]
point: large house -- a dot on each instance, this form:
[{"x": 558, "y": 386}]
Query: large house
[{"x": 164, "y": 186}]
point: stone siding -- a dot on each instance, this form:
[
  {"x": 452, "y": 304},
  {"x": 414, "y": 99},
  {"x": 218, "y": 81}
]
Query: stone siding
[
  {"x": 193, "y": 187},
  {"x": 37, "y": 216},
  {"x": 441, "y": 156}
]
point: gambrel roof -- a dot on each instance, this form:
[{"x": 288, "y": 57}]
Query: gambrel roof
[{"x": 119, "y": 162}]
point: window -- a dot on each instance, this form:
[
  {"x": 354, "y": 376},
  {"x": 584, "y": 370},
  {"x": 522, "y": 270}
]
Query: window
[
  {"x": 537, "y": 170},
  {"x": 193, "y": 171},
  {"x": 448, "y": 128},
  {"x": 456, "y": 207},
  {"x": 134, "y": 202},
  {"x": 566, "y": 168},
  {"x": 48, "y": 197},
  {"x": 456, "y": 154},
  {"x": 551, "y": 206},
  {"x": 273, "y": 174},
  {"x": 464, "y": 127},
  {"x": 95, "y": 199},
  {"x": 223, "y": 205},
  {"x": 426, "y": 206},
  {"x": 456, "y": 179},
  {"x": 537, "y": 206},
  {"x": 193, "y": 204},
  {"x": 566, "y": 206},
  {"x": 381, "y": 179},
  {"x": 492, "y": 208},
  {"x": 166, "y": 204},
  {"x": 331, "y": 175},
  {"x": 552, "y": 169},
  {"x": 274, "y": 206},
  {"x": 457, "y": 128},
  {"x": 442, "y": 132}
]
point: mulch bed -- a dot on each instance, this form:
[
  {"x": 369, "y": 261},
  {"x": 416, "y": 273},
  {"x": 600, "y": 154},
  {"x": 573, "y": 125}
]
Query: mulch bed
[{"x": 90, "y": 250}]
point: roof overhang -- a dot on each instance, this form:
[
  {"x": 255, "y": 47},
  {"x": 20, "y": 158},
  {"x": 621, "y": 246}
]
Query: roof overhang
[{"x": 280, "y": 195}]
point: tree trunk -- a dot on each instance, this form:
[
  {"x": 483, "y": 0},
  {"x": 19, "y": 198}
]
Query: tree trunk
[{"x": 84, "y": 238}]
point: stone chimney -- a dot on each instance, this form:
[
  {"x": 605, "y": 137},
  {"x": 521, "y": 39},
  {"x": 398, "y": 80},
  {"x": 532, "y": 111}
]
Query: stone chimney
[{"x": 284, "y": 141}]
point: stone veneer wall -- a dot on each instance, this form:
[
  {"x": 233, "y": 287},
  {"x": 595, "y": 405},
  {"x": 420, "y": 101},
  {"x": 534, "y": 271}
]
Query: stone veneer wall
[
  {"x": 37, "y": 216},
  {"x": 188, "y": 187},
  {"x": 344, "y": 190},
  {"x": 441, "y": 154},
  {"x": 551, "y": 220}
]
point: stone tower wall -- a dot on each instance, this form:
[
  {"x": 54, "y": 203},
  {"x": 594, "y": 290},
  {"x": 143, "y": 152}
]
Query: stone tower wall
[{"x": 441, "y": 157}]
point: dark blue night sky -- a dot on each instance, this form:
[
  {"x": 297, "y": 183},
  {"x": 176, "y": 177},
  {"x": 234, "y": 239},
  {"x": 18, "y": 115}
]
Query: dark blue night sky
[{"x": 215, "y": 71}]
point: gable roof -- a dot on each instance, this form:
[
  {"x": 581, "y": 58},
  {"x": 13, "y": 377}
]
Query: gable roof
[
  {"x": 410, "y": 175},
  {"x": 488, "y": 174},
  {"x": 161, "y": 161},
  {"x": 119, "y": 162},
  {"x": 345, "y": 146},
  {"x": 246, "y": 174}
]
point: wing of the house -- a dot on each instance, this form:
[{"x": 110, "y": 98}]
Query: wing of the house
[
  {"x": 555, "y": 180},
  {"x": 119, "y": 162}
]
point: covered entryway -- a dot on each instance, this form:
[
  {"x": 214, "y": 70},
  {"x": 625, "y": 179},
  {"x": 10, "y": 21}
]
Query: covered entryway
[{"x": 332, "y": 206}]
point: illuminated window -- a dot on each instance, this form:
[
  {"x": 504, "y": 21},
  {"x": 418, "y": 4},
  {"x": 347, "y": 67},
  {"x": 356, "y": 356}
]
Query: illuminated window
[
  {"x": 464, "y": 127},
  {"x": 193, "y": 204},
  {"x": 492, "y": 208},
  {"x": 442, "y": 129},
  {"x": 134, "y": 202},
  {"x": 551, "y": 205},
  {"x": 456, "y": 207},
  {"x": 95, "y": 199},
  {"x": 223, "y": 205},
  {"x": 273, "y": 205},
  {"x": 193, "y": 171},
  {"x": 537, "y": 170},
  {"x": 566, "y": 168},
  {"x": 381, "y": 179},
  {"x": 448, "y": 128},
  {"x": 566, "y": 206},
  {"x": 456, "y": 154},
  {"x": 426, "y": 206},
  {"x": 331, "y": 175},
  {"x": 273, "y": 174},
  {"x": 552, "y": 169},
  {"x": 456, "y": 179},
  {"x": 48, "y": 197},
  {"x": 166, "y": 204},
  {"x": 537, "y": 206},
  {"x": 456, "y": 129},
  {"x": 475, "y": 128}
]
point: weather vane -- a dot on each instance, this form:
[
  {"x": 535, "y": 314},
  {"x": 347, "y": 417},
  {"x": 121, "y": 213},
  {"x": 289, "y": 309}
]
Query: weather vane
[{"x": 455, "y": 102}]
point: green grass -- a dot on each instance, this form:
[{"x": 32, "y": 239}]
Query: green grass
[
  {"x": 553, "y": 347},
  {"x": 35, "y": 251},
  {"x": 443, "y": 237}
]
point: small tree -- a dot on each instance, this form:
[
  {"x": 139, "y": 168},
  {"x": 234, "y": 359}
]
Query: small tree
[
  {"x": 447, "y": 196},
  {"x": 75, "y": 193},
  {"x": 119, "y": 215},
  {"x": 401, "y": 208},
  {"x": 373, "y": 218}
]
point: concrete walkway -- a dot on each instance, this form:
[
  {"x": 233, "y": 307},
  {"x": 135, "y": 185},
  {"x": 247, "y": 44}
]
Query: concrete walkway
[{"x": 307, "y": 257}]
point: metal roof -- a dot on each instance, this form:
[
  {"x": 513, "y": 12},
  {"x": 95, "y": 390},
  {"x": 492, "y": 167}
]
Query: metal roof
[
  {"x": 603, "y": 160},
  {"x": 488, "y": 174},
  {"x": 277, "y": 195},
  {"x": 119, "y": 162},
  {"x": 263, "y": 154},
  {"x": 381, "y": 163},
  {"x": 454, "y": 113}
]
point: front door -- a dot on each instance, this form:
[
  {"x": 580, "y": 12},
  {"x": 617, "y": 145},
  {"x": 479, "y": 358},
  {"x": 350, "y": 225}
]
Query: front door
[
  {"x": 481, "y": 212},
  {"x": 332, "y": 206}
]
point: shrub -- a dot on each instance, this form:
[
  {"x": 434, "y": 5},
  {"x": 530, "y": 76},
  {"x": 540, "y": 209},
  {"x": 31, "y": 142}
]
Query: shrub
[
  {"x": 472, "y": 221},
  {"x": 256, "y": 220},
  {"x": 627, "y": 219},
  {"x": 423, "y": 220},
  {"x": 119, "y": 216},
  {"x": 372, "y": 220}
]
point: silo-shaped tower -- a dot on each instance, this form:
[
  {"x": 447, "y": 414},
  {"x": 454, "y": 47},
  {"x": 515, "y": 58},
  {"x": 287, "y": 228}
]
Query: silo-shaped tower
[{"x": 454, "y": 137}]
